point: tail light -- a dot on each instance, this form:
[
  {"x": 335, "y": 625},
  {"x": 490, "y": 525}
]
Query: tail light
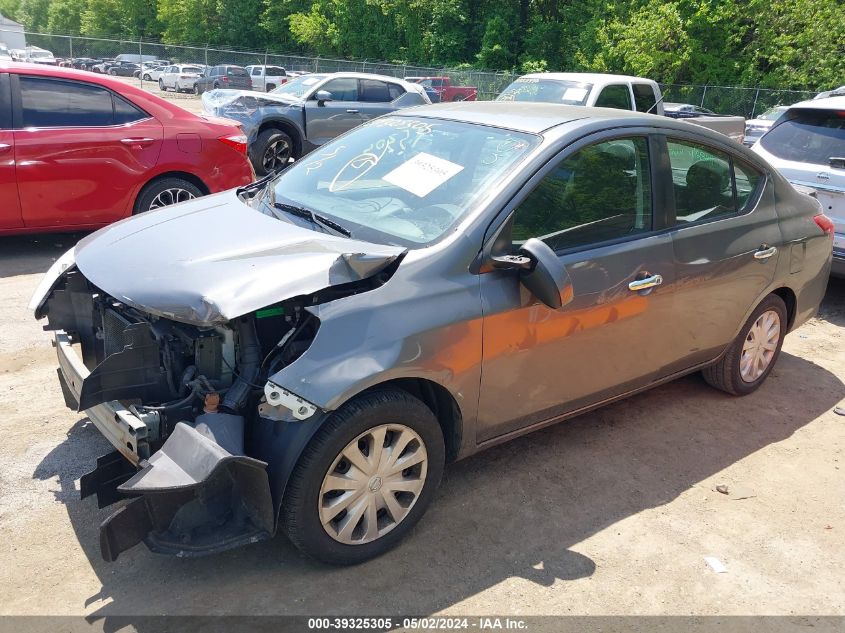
[
  {"x": 824, "y": 223},
  {"x": 237, "y": 142},
  {"x": 224, "y": 79}
]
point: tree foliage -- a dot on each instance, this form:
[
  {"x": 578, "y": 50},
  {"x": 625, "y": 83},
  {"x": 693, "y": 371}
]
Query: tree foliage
[{"x": 777, "y": 43}]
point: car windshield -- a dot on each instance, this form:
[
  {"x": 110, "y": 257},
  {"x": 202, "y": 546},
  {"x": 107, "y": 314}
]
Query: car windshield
[
  {"x": 772, "y": 114},
  {"x": 191, "y": 69},
  {"x": 807, "y": 136},
  {"x": 402, "y": 180},
  {"x": 547, "y": 91},
  {"x": 298, "y": 87}
]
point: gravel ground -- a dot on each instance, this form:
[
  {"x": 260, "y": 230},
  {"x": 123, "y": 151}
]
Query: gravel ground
[{"x": 609, "y": 513}]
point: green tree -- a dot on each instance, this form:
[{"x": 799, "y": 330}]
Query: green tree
[
  {"x": 496, "y": 52},
  {"x": 64, "y": 16}
]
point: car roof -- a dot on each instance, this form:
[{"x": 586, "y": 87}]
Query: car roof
[
  {"x": 826, "y": 103},
  {"x": 592, "y": 78}
]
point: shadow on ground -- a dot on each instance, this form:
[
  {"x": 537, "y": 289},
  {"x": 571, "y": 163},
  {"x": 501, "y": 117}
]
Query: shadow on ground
[{"x": 28, "y": 254}]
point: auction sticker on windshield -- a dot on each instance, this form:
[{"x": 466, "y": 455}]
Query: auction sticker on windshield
[{"x": 422, "y": 174}]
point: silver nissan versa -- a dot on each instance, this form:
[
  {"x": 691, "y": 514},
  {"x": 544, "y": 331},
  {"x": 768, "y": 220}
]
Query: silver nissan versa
[{"x": 306, "y": 353}]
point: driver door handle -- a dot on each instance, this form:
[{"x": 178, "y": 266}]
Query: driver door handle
[
  {"x": 646, "y": 283},
  {"x": 764, "y": 252},
  {"x": 352, "y": 111}
]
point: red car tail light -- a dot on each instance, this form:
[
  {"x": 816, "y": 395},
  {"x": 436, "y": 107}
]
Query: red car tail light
[
  {"x": 237, "y": 142},
  {"x": 224, "y": 79},
  {"x": 824, "y": 223}
]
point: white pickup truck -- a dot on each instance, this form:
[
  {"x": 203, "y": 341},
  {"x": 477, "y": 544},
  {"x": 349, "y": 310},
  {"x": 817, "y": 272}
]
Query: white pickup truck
[{"x": 612, "y": 91}]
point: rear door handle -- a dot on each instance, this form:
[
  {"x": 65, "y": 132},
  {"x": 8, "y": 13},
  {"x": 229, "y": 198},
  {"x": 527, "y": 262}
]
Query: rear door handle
[
  {"x": 141, "y": 142},
  {"x": 352, "y": 112},
  {"x": 645, "y": 284},
  {"x": 764, "y": 252}
]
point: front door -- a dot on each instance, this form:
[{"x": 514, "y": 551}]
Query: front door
[
  {"x": 594, "y": 207},
  {"x": 333, "y": 118},
  {"x": 81, "y": 152}
]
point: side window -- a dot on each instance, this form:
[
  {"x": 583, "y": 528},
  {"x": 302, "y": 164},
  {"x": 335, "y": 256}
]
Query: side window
[
  {"x": 708, "y": 183},
  {"x": 747, "y": 178},
  {"x": 256, "y": 71},
  {"x": 125, "y": 112},
  {"x": 616, "y": 96},
  {"x": 644, "y": 97},
  {"x": 600, "y": 193},
  {"x": 396, "y": 91},
  {"x": 5, "y": 103},
  {"x": 343, "y": 89},
  {"x": 373, "y": 91},
  {"x": 55, "y": 103}
]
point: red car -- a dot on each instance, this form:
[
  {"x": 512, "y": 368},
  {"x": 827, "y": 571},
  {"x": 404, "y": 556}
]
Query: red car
[{"x": 79, "y": 151}]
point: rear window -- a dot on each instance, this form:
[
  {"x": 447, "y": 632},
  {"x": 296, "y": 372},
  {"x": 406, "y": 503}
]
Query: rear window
[
  {"x": 807, "y": 136},
  {"x": 547, "y": 91},
  {"x": 236, "y": 72}
]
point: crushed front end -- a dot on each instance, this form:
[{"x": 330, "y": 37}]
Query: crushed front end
[{"x": 179, "y": 402}]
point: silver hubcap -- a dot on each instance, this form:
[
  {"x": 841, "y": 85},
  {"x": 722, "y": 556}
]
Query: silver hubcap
[
  {"x": 373, "y": 484},
  {"x": 276, "y": 156},
  {"x": 760, "y": 346},
  {"x": 171, "y": 196}
]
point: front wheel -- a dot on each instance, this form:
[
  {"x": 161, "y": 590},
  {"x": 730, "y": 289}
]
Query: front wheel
[
  {"x": 752, "y": 355},
  {"x": 161, "y": 85},
  {"x": 365, "y": 479},
  {"x": 197, "y": 90},
  {"x": 147, "y": 77},
  {"x": 271, "y": 152}
]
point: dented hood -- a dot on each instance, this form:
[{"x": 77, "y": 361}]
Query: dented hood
[{"x": 215, "y": 258}]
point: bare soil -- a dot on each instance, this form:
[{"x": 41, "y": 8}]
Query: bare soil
[{"x": 609, "y": 513}]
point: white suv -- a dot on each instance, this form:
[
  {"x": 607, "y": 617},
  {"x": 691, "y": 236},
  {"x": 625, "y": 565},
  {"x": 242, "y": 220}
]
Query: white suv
[
  {"x": 180, "y": 78},
  {"x": 807, "y": 145}
]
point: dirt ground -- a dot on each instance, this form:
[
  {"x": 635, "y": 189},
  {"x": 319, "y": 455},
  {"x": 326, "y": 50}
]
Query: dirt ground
[{"x": 610, "y": 513}]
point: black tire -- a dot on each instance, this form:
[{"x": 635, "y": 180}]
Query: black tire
[
  {"x": 197, "y": 89},
  {"x": 152, "y": 190},
  {"x": 300, "y": 514},
  {"x": 113, "y": 73},
  {"x": 271, "y": 141},
  {"x": 161, "y": 85},
  {"x": 725, "y": 374},
  {"x": 216, "y": 85},
  {"x": 147, "y": 77},
  {"x": 459, "y": 98},
  {"x": 270, "y": 87}
]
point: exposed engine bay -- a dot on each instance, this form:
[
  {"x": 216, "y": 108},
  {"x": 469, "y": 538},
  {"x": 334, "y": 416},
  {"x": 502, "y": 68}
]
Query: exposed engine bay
[{"x": 181, "y": 404}]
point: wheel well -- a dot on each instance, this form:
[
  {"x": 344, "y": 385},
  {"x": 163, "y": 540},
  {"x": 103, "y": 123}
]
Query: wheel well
[
  {"x": 288, "y": 129},
  {"x": 442, "y": 404},
  {"x": 191, "y": 178},
  {"x": 791, "y": 302}
]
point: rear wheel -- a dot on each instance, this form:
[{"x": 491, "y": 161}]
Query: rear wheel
[
  {"x": 271, "y": 152},
  {"x": 165, "y": 192},
  {"x": 271, "y": 87},
  {"x": 365, "y": 479},
  {"x": 197, "y": 90},
  {"x": 161, "y": 85},
  {"x": 147, "y": 77},
  {"x": 754, "y": 352}
]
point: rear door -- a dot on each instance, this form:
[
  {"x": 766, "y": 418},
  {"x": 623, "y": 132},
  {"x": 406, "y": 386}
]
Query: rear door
[
  {"x": 376, "y": 97},
  {"x": 10, "y": 208},
  {"x": 81, "y": 151},
  {"x": 726, "y": 244}
]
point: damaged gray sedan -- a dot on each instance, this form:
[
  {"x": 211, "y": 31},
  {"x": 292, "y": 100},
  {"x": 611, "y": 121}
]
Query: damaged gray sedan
[{"x": 306, "y": 353}]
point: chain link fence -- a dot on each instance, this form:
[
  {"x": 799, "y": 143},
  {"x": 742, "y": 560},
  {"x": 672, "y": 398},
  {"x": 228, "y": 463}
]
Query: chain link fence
[{"x": 747, "y": 102}]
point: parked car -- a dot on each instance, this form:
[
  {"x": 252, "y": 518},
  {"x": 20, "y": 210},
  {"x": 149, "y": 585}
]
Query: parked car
[
  {"x": 123, "y": 69},
  {"x": 153, "y": 72},
  {"x": 307, "y": 111},
  {"x": 683, "y": 110},
  {"x": 266, "y": 78},
  {"x": 5, "y": 55},
  {"x": 446, "y": 91},
  {"x": 756, "y": 127},
  {"x": 223, "y": 76},
  {"x": 836, "y": 92},
  {"x": 435, "y": 282},
  {"x": 102, "y": 66},
  {"x": 145, "y": 68},
  {"x": 623, "y": 92},
  {"x": 433, "y": 95},
  {"x": 78, "y": 151},
  {"x": 83, "y": 63},
  {"x": 36, "y": 55},
  {"x": 807, "y": 145},
  {"x": 181, "y": 78}
]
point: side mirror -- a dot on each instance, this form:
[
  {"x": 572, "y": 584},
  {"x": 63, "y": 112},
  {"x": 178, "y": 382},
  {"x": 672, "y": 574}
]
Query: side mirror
[
  {"x": 547, "y": 278},
  {"x": 323, "y": 96}
]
